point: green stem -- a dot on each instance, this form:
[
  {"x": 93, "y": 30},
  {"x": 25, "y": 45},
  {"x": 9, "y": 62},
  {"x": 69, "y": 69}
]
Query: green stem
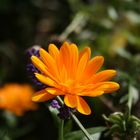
[
  {"x": 77, "y": 121},
  {"x": 130, "y": 98},
  {"x": 81, "y": 126},
  {"x": 77, "y": 23},
  {"x": 61, "y": 133}
]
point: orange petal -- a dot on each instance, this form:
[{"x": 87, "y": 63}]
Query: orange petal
[
  {"x": 82, "y": 106},
  {"x": 50, "y": 62},
  {"x": 64, "y": 57},
  {"x": 54, "y": 91},
  {"x": 103, "y": 76},
  {"x": 91, "y": 93},
  {"x": 73, "y": 59},
  {"x": 53, "y": 51},
  {"x": 63, "y": 74},
  {"x": 95, "y": 63},
  {"x": 112, "y": 86},
  {"x": 45, "y": 80},
  {"x": 69, "y": 57},
  {"x": 42, "y": 67},
  {"x": 46, "y": 57},
  {"x": 85, "y": 50},
  {"x": 65, "y": 53},
  {"x": 108, "y": 87},
  {"x": 81, "y": 66},
  {"x": 42, "y": 96},
  {"x": 39, "y": 64},
  {"x": 93, "y": 66},
  {"x": 70, "y": 101}
]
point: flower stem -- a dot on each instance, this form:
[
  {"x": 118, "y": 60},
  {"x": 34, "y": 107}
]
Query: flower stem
[
  {"x": 61, "y": 134},
  {"x": 81, "y": 126},
  {"x": 77, "y": 121}
]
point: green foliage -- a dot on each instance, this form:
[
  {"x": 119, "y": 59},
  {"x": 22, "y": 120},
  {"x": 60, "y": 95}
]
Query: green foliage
[
  {"x": 78, "y": 135},
  {"x": 110, "y": 28},
  {"x": 123, "y": 125}
]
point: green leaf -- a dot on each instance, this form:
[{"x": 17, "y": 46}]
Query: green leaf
[
  {"x": 61, "y": 130},
  {"x": 132, "y": 96},
  {"x": 11, "y": 119},
  {"x": 58, "y": 122},
  {"x": 123, "y": 53},
  {"x": 68, "y": 126},
  {"x": 54, "y": 113},
  {"x": 115, "y": 119},
  {"x": 124, "y": 98},
  {"x": 4, "y": 135},
  {"x": 133, "y": 17},
  {"x": 94, "y": 136},
  {"x": 112, "y": 13},
  {"x": 77, "y": 135}
]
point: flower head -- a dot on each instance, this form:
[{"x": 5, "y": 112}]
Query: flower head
[
  {"x": 16, "y": 98},
  {"x": 73, "y": 75}
]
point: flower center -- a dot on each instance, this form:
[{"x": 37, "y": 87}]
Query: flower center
[{"x": 68, "y": 86}]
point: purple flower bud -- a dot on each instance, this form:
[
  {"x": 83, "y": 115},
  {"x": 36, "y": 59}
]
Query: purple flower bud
[
  {"x": 33, "y": 51},
  {"x": 64, "y": 112},
  {"x": 55, "y": 104},
  {"x": 31, "y": 69}
]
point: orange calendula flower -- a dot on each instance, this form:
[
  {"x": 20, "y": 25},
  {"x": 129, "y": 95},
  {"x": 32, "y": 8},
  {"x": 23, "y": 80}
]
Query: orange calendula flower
[
  {"x": 16, "y": 98},
  {"x": 72, "y": 74}
]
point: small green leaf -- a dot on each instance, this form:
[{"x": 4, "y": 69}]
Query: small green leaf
[
  {"x": 54, "y": 113},
  {"x": 94, "y": 136},
  {"x": 132, "y": 96},
  {"x": 77, "y": 135},
  {"x": 124, "y": 98},
  {"x": 4, "y": 135},
  {"x": 68, "y": 126},
  {"x": 123, "y": 53},
  {"x": 11, "y": 119}
]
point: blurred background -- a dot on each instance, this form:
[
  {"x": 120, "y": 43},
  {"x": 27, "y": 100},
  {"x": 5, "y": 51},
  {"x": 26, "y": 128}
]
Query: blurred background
[{"x": 110, "y": 27}]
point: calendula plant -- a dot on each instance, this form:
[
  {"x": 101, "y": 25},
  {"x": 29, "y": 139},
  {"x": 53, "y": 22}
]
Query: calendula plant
[
  {"x": 72, "y": 75},
  {"x": 124, "y": 125}
]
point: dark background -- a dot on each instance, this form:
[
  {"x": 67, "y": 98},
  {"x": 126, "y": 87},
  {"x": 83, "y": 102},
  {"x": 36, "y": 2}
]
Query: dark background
[{"x": 110, "y": 27}]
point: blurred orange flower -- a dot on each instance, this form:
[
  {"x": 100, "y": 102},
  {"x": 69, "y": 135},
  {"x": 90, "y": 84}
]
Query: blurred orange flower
[
  {"x": 16, "y": 98},
  {"x": 72, "y": 75}
]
